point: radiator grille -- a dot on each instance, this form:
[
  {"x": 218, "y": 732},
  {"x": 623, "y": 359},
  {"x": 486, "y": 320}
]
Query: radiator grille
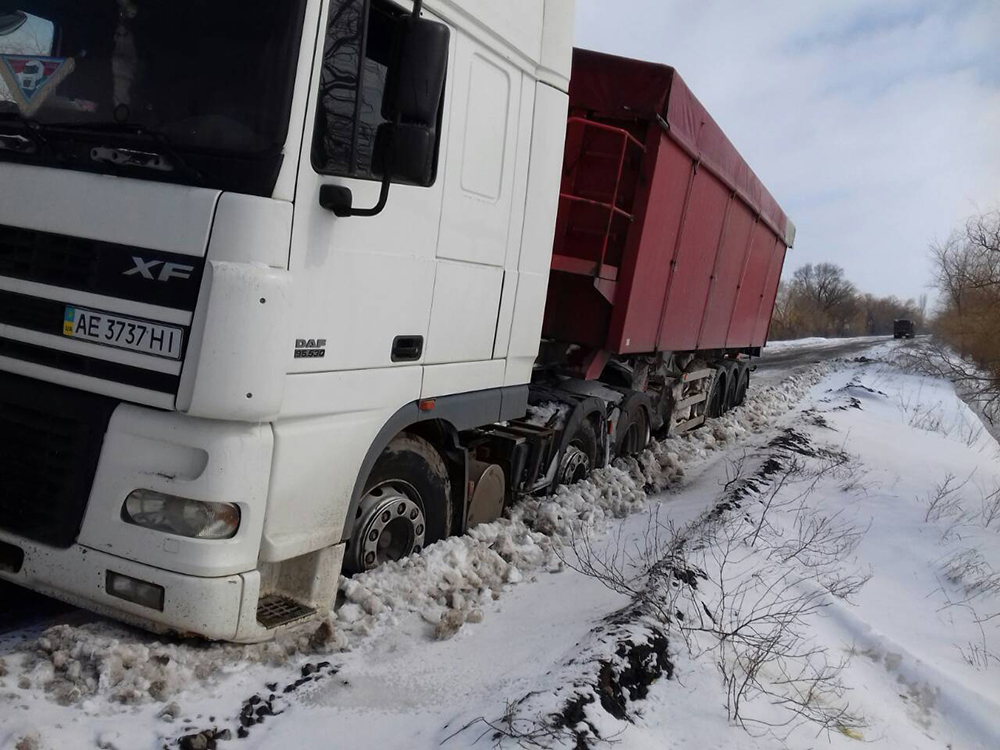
[
  {"x": 50, "y": 442},
  {"x": 97, "y": 267},
  {"x": 33, "y": 313},
  {"x": 47, "y": 258}
]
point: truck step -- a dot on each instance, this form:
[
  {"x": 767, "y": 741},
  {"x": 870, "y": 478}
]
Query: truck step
[{"x": 274, "y": 610}]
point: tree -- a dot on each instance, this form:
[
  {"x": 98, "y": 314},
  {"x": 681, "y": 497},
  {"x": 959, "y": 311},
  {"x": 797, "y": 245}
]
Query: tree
[
  {"x": 828, "y": 300},
  {"x": 967, "y": 276},
  {"x": 819, "y": 300}
]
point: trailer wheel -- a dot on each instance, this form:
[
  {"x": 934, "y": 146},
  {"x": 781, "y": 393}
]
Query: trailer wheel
[
  {"x": 406, "y": 505},
  {"x": 732, "y": 372},
  {"x": 636, "y": 433},
  {"x": 580, "y": 456},
  {"x": 717, "y": 396},
  {"x": 742, "y": 386}
]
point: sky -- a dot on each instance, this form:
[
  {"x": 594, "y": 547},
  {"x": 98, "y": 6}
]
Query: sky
[{"x": 876, "y": 125}]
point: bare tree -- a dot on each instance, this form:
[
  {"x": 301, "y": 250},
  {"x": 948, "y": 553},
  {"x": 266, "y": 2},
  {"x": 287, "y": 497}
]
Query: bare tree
[{"x": 967, "y": 277}]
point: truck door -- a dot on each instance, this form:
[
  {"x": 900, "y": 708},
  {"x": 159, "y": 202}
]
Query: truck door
[
  {"x": 363, "y": 284},
  {"x": 477, "y": 216}
]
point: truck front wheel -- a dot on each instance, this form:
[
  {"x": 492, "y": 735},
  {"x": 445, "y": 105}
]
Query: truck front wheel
[{"x": 405, "y": 507}]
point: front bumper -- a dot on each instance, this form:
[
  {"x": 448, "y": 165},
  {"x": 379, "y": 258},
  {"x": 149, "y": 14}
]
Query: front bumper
[
  {"x": 211, "y": 587},
  {"x": 221, "y": 608}
]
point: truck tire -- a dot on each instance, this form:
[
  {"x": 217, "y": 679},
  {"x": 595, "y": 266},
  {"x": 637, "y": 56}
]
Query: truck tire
[
  {"x": 732, "y": 384},
  {"x": 716, "y": 403},
  {"x": 633, "y": 431},
  {"x": 742, "y": 385},
  {"x": 406, "y": 505},
  {"x": 580, "y": 456}
]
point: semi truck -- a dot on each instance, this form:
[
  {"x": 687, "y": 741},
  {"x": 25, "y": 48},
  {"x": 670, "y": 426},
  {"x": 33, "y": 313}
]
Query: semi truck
[{"x": 291, "y": 289}]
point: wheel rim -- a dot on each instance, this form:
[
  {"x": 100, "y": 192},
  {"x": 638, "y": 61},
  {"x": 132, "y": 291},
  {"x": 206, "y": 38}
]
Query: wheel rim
[
  {"x": 391, "y": 525},
  {"x": 575, "y": 465}
]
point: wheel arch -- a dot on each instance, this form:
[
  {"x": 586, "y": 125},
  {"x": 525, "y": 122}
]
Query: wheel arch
[{"x": 440, "y": 426}]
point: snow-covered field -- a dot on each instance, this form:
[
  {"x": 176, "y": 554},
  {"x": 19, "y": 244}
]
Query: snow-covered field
[{"x": 826, "y": 554}]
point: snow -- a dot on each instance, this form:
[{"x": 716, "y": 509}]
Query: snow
[
  {"x": 549, "y": 414},
  {"x": 813, "y": 342},
  {"x": 499, "y": 618}
]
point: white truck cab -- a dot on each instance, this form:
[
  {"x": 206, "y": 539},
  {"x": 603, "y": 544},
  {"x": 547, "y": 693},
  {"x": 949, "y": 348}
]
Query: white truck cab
[{"x": 231, "y": 351}]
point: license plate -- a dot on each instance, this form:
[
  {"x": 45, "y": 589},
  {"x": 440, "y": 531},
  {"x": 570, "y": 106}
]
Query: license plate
[{"x": 122, "y": 332}]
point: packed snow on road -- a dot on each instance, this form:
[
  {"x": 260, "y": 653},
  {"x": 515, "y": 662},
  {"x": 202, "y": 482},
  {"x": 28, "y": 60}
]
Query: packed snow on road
[
  {"x": 813, "y": 342},
  {"x": 819, "y": 566}
]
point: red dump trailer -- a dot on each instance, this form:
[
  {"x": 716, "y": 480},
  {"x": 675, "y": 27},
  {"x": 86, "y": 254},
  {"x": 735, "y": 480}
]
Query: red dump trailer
[
  {"x": 666, "y": 240},
  {"x": 667, "y": 254}
]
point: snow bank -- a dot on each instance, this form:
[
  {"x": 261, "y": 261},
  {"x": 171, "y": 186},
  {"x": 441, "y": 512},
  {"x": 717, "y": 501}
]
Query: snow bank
[
  {"x": 73, "y": 663},
  {"x": 448, "y": 584},
  {"x": 872, "y": 592},
  {"x": 455, "y": 578}
]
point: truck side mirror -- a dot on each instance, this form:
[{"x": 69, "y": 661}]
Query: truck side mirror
[
  {"x": 414, "y": 89},
  {"x": 406, "y": 145},
  {"x": 409, "y": 150},
  {"x": 415, "y": 82}
]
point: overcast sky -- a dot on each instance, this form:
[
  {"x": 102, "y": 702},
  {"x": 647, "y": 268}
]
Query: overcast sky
[{"x": 875, "y": 123}]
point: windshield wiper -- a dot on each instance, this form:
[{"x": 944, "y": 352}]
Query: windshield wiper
[
  {"x": 127, "y": 157},
  {"x": 20, "y": 144}
]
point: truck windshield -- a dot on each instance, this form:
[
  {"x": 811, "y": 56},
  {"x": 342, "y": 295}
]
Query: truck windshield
[{"x": 206, "y": 86}]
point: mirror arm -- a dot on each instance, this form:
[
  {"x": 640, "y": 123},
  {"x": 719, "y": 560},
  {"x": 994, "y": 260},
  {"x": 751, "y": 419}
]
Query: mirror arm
[
  {"x": 340, "y": 204},
  {"x": 383, "y": 199}
]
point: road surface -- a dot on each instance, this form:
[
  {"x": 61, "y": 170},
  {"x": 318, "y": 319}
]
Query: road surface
[{"x": 776, "y": 364}]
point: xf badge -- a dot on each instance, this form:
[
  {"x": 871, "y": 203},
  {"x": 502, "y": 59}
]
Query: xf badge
[{"x": 157, "y": 270}]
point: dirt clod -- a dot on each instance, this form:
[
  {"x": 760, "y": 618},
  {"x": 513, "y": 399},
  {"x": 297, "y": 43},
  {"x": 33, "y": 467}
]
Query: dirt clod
[
  {"x": 628, "y": 678},
  {"x": 169, "y": 712},
  {"x": 194, "y": 742},
  {"x": 30, "y": 741}
]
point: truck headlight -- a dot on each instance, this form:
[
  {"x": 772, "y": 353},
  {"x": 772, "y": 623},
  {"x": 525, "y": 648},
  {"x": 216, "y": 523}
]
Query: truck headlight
[{"x": 196, "y": 519}]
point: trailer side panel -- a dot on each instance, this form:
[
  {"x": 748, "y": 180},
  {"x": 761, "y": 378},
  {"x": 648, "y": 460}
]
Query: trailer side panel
[
  {"x": 726, "y": 277},
  {"x": 700, "y": 234},
  {"x": 666, "y": 240}
]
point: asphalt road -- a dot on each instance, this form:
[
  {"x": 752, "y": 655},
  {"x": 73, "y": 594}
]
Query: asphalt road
[
  {"x": 20, "y": 608},
  {"x": 774, "y": 365}
]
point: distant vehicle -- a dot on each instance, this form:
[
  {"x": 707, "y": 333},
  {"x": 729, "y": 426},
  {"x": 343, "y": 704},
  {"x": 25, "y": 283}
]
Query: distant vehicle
[{"x": 902, "y": 329}]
